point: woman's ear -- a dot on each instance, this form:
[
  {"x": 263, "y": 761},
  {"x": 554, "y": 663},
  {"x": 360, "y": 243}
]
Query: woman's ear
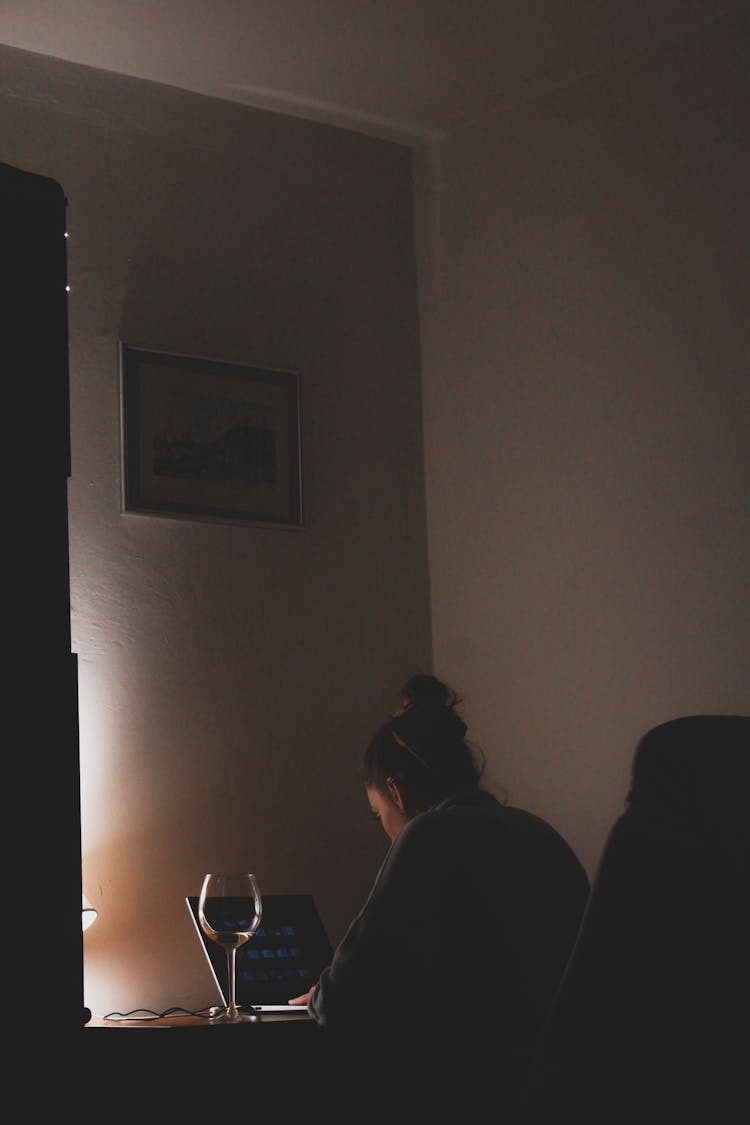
[{"x": 394, "y": 792}]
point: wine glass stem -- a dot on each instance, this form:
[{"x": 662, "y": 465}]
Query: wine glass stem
[{"x": 232, "y": 1009}]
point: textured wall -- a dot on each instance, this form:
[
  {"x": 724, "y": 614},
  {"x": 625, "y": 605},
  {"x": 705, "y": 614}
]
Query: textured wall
[{"x": 230, "y": 676}]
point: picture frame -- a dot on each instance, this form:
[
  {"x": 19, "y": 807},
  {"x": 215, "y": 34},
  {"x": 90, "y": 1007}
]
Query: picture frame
[{"x": 207, "y": 439}]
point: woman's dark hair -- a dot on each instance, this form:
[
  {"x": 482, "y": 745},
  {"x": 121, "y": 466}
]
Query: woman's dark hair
[{"x": 423, "y": 747}]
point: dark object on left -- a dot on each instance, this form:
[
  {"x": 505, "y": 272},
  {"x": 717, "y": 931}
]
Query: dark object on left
[{"x": 42, "y": 670}]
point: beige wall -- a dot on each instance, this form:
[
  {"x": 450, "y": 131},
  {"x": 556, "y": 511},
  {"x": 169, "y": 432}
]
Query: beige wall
[
  {"x": 229, "y": 677},
  {"x": 586, "y": 355}
]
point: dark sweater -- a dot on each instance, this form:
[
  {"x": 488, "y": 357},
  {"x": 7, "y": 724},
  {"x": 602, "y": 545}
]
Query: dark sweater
[{"x": 464, "y": 936}]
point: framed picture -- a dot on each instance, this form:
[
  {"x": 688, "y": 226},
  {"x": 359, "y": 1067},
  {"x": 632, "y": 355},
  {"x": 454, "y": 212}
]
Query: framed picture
[{"x": 208, "y": 440}]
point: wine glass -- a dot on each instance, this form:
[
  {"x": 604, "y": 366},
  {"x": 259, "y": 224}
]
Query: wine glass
[{"x": 229, "y": 911}]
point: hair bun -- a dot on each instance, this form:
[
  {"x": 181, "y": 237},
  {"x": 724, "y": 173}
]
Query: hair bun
[
  {"x": 427, "y": 715},
  {"x": 427, "y": 693}
]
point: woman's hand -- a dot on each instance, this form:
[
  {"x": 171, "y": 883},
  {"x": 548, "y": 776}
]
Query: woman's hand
[{"x": 304, "y": 999}]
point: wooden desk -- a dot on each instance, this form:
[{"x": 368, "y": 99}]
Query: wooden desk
[
  {"x": 185, "y": 1021},
  {"x": 282, "y": 1068},
  {"x": 190, "y": 1058},
  {"x": 183, "y": 1067}
]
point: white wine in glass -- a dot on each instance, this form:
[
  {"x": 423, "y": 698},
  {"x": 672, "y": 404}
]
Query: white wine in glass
[{"x": 229, "y": 911}]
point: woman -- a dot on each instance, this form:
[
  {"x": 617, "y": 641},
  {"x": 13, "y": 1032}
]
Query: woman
[{"x": 473, "y": 913}]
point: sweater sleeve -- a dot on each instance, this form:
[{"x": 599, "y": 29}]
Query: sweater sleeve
[{"x": 371, "y": 970}]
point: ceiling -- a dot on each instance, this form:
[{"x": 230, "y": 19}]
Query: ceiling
[{"x": 405, "y": 70}]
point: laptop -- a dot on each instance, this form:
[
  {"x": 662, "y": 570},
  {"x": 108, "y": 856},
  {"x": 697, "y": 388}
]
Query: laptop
[{"x": 283, "y": 958}]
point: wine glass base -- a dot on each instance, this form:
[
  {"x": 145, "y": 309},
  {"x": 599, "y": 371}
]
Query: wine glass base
[{"x": 221, "y": 1015}]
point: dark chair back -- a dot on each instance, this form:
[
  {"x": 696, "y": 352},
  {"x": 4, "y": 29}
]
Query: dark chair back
[{"x": 651, "y": 1019}]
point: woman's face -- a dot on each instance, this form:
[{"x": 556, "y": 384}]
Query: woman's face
[{"x": 388, "y": 809}]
